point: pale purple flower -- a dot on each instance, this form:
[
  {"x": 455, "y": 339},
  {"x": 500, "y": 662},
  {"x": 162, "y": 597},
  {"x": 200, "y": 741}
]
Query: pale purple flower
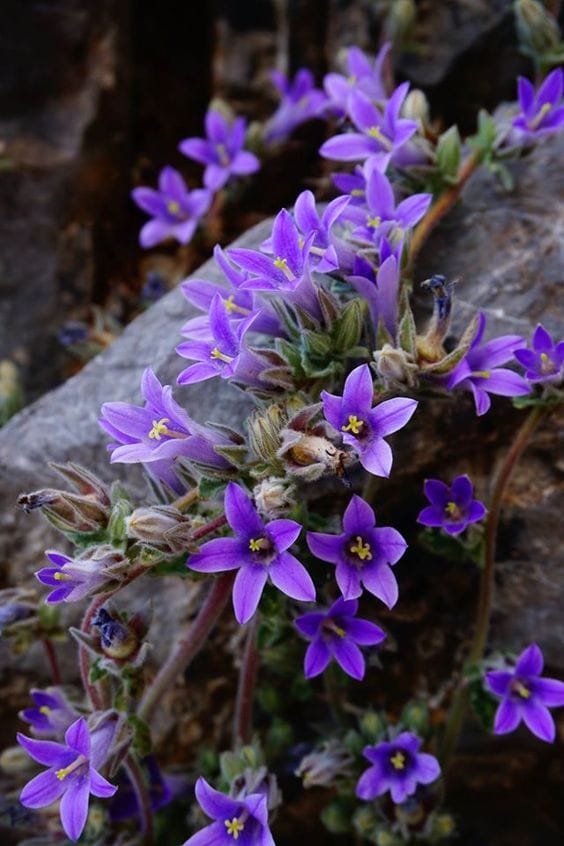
[
  {"x": 542, "y": 112},
  {"x": 397, "y": 767},
  {"x": 300, "y": 101},
  {"x": 362, "y": 553},
  {"x": 175, "y": 210},
  {"x": 221, "y": 151},
  {"x": 363, "y": 74},
  {"x": 241, "y": 821},
  {"x": 378, "y": 132},
  {"x": 379, "y": 288},
  {"x": 73, "y": 579},
  {"x": 452, "y": 508},
  {"x": 337, "y": 634},
  {"x": 322, "y": 252},
  {"x": 354, "y": 184},
  {"x": 382, "y": 217},
  {"x": 526, "y": 695},
  {"x": 52, "y": 713},
  {"x": 364, "y": 427},
  {"x": 72, "y": 773},
  {"x": 545, "y": 361},
  {"x": 259, "y": 552},
  {"x": 479, "y": 370}
]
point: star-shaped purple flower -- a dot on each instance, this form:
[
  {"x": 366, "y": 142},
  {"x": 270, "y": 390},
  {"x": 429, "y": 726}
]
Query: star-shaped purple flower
[
  {"x": 542, "y": 113},
  {"x": 479, "y": 370},
  {"x": 73, "y": 579},
  {"x": 363, "y": 74},
  {"x": 72, "y": 775},
  {"x": 258, "y": 552},
  {"x": 52, "y": 714},
  {"x": 222, "y": 151},
  {"x": 363, "y": 426},
  {"x": 354, "y": 184},
  {"x": 526, "y": 696},
  {"x": 241, "y": 821},
  {"x": 398, "y": 767},
  {"x": 363, "y": 553},
  {"x": 452, "y": 508},
  {"x": 545, "y": 361},
  {"x": 175, "y": 210},
  {"x": 322, "y": 252},
  {"x": 300, "y": 101},
  {"x": 337, "y": 633}
]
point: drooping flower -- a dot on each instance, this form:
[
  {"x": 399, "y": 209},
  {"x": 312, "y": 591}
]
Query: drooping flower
[
  {"x": 259, "y": 552},
  {"x": 545, "y": 361},
  {"x": 363, "y": 74},
  {"x": 52, "y": 714},
  {"x": 542, "y": 112},
  {"x": 364, "y": 427},
  {"x": 479, "y": 370},
  {"x": 242, "y": 821},
  {"x": 336, "y": 634},
  {"x": 221, "y": 151},
  {"x": 362, "y": 553},
  {"x": 398, "y": 767},
  {"x": 378, "y": 132},
  {"x": 300, "y": 101},
  {"x": 72, "y": 579},
  {"x": 175, "y": 210},
  {"x": 526, "y": 695},
  {"x": 72, "y": 773},
  {"x": 452, "y": 508}
]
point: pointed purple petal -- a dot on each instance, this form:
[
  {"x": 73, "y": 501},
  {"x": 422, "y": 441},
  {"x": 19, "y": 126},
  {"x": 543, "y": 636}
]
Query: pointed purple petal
[
  {"x": 217, "y": 555},
  {"x": 214, "y": 804},
  {"x": 507, "y": 717},
  {"x": 391, "y": 544},
  {"x": 77, "y": 737},
  {"x": 240, "y": 512},
  {"x": 247, "y": 591},
  {"x": 381, "y": 582},
  {"x": 530, "y": 662},
  {"x": 377, "y": 457},
  {"x": 427, "y": 768},
  {"x": 349, "y": 657},
  {"x": 462, "y": 490},
  {"x": 42, "y": 790},
  {"x": 538, "y": 719},
  {"x": 392, "y": 414},
  {"x": 549, "y": 691},
  {"x": 284, "y": 533},
  {"x": 74, "y": 807},
  {"x": 364, "y": 632},
  {"x": 308, "y": 624},
  {"x": 350, "y": 147},
  {"x": 324, "y": 546},
  {"x": 348, "y": 580},
  {"x": 498, "y": 681},
  {"x": 291, "y": 577},
  {"x": 358, "y": 517},
  {"x": 45, "y": 752},
  {"x": 317, "y": 658},
  {"x": 359, "y": 389},
  {"x": 432, "y": 516},
  {"x": 99, "y": 786}
]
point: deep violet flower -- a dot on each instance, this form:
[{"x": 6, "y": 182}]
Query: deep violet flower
[
  {"x": 322, "y": 252},
  {"x": 452, "y": 508},
  {"x": 542, "y": 112},
  {"x": 363, "y": 553},
  {"x": 175, "y": 210},
  {"x": 221, "y": 151},
  {"x": 364, "y": 427},
  {"x": 397, "y": 766},
  {"x": 545, "y": 361},
  {"x": 259, "y": 552},
  {"x": 479, "y": 370},
  {"x": 52, "y": 713},
  {"x": 300, "y": 101},
  {"x": 378, "y": 132},
  {"x": 526, "y": 695},
  {"x": 242, "y": 821},
  {"x": 363, "y": 74},
  {"x": 73, "y": 579},
  {"x": 337, "y": 633},
  {"x": 72, "y": 775}
]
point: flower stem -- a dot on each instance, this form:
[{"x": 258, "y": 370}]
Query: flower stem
[
  {"x": 184, "y": 502},
  {"x": 139, "y": 785},
  {"x": 487, "y": 579},
  {"x": 189, "y": 645},
  {"x": 243, "y": 724},
  {"x": 441, "y": 206},
  {"x": 52, "y": 660},
  {"x": 209, "y": 527}
]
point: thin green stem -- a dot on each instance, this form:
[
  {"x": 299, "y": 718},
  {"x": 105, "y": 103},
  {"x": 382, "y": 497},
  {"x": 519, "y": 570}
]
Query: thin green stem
[
  {"x": 487, "y": 580},
  {"x": 243, "y": 724}
]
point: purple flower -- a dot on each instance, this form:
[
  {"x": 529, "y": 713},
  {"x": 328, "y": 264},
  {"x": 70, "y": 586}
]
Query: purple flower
[
  {"x": 75, "y": 578},
  {"x": 480, "y": 373},
  {"x": 301, "y": 101},
  {"x": 452, "y": 508},
  {"x": 258, "y": 551},
  {"x": 380, "y": 289},
  {"x": 363, "y": 426},
  {"x": 72, "y": 775},
  {"x": 354, "y": 184},
  {"x": 383, "y": 217},
  {"x": 397, "y": 766},
  {"x": 52, "y": 714},
  {"x": 336, "y": 634},
  {"x": 323, "y": 255},
  {"x": 176, "y": 211},
  {"x": 243, "y": 821},
  {"x": 542, "y": 112},
  {"x": 379, "y": 132},
  {"x": 525, "y": 695},
  {"x": 222, "y": 151},
  {"x": 545, "y": 361},
  {"x": 363, "y": 553},
  {"x": 363, "y": 74}
]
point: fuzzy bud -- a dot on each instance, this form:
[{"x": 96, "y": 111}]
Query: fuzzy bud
[
  {"x": 117, "y": 639},
  {"x": 162, "y": 526},
  {"x": 322, "y": 767},
  {"x": 416, "y": 107},
  {"x": 16, "y": 605},
  {"x": 310, "y": 456},
  {"x": 273, "y": 496},
  {"x": 11, "y": 393},
  {"x": 66, "y": 511},
  {"x": 395, "y": 368},
  {"x": 336, "y": 818},
  {"x": 537, "y": 29}
]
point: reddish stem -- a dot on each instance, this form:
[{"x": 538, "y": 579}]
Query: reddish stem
[
  {"x": 243, "y": 725},
  {"x": 209, "y": 527},
  {"x": 52, "y": 660}
]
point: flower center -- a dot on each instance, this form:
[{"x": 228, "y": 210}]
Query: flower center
[
  {"x": 216, "y": 354},
  {"x": 357, "y": 192},
  {"x": 481, "y": 374},
  {"x": 520, "y": 689},
  {"x": 282, "y": 264},
  {"x": 354, "y": 425},
  {"x": 62, "y": 577},
  {"x": 76, "y": 764},
  {"x": 234, "y": 827},
  {"x": 331, "y": 626},
  {"x": 373, "y": 222},
  {"x": 256, "y": 544},
  {"x": 222, "y": 154},
  {"x": 376, "y": 133},
  {"x": 453, "y": 510},
  {"x": 45, "y": 710},
  {"x": 160, "y": 428},
  {"x": 540, "y": 115},
  {"x": 547, "y": 366},
  {"x": 173, "y": 207},
  {"x": 233, "y": 307},
  {"x": 398, "y": 760},
  {"x": 361, "y": 549}
]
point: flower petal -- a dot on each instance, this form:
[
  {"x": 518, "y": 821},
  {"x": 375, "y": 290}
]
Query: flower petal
[
  {"x": 99, "y": 786},
  {"x": 308, "y": 624},
  {"x": 217, "y": 555},
  {"x": 77, "y": 737},
  {"x": 530, "y": 662},
  {"x": 349, "y": 657},
  {"x": 549, "y": 691},
  {"x": 326, "y": 547},
  {"x": 391, "y": 415},
  {"x": 358, "y": 516},
  {"x": 291, "y": 577},
  {"x": 359, "y": 389},
  {"x": 507, "y": 717},
  {"x": 240, "y": 512},
  {"x": 427, "y": 769},
  {"x": 539, "y": 720},
  {"x": 247, "y": 591},
  {"x": 45, "y": 752},
  {"x": 381, "y": 582},
  {"x": 317, "y": 658},
  {"x": 348, "y": 580},
  {"x": 213, "y": 803},
  {"x": 364, "y": 632},
  {"x": 42, "y": 790},
  {"x": 284, "y": 533},
  {"x": 498, "y": 681},
  {"x": 74, "y": 806},
  {"x": 377, "y": 457}
]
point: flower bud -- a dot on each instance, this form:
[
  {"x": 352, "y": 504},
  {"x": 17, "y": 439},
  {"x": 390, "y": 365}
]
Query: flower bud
[
  {"x": 162, "y": 526},
  {"x": 16, "y": 605},
  {"x": 336, "y": 818},
  {"x": 443, "y": 825},
  {"x": 416, "y": 107},
  {"x": 448, "y": 154},
  {"x": 310, "y": 456},
  {"x": 395, "y": 368},
  {"x": 67, "y": 512},
  {"x": 401, "y": 20},
  {"x": 325, "y": 765},
  {"x": 273, "y": 496},
  {"x": 117, "y": 640},
  {"x": 14, "y": 760},
  {"x": 11, "y": 393},
  {"x": 415, "y": 717},
  {"x": 537, "y": 29},
  {"x": 372, "y": 726},
  {"x": 364, "y": 820}
]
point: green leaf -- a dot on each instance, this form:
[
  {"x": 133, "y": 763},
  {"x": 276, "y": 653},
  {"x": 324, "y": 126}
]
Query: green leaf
[
  {"x": 448, "y": 155},
  {"x": 141, "y": 735}
]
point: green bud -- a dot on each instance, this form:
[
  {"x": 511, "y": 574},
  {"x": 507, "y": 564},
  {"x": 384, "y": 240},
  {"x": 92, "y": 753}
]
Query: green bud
[
  {"x": 443, "y": 825},
  {"x": 372, "y": 726},
  {"x": 11, "y": 392},
  {"x": 336, "y": 818},
  {"x": 348, "y": 328},
  {"x": 230, "y": 766},
  {"x": 268, "y": 699},
  {"x": 386, "y": 838},
  {"x": 117, "y": 524},
  {"x": 364, "y": 819},
  {"x": 537, "y": 29},
  {"x": 401, "y": 20},
  {"x": 14, "y": 760},
  {"x": 416, "y": 107},
  {"x": 162, "y": 526},
  {"x": 415, "y": 717},
  {"x": 315, "y": 344},
  {"x": 448, "y": 155},
  {"x": 395, "y": 368}
]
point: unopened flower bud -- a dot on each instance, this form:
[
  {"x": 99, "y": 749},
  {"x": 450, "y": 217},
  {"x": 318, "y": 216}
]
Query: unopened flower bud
[
  {"x": 401, "y": 20},
  {"x": 324, "y": 766},
  {"x": 416, "y": 107},
  {"x": 310, "y": 456},
  {"x": 443, "y": 825},
  {"x": 372, "y": 726},
  {"x": 415, "y": 717},
  {"x": 273, "y": 496},
  {"x": 336, "y": 818},
  {"x": 536, "y": 27},
  {"x": 364, "y": 819},
  {"x": 395, "y": 368},
  {"x": 162, "y": 526},
  {"x": 11, "y": 393},
  {"x": 68, "y": 512},
  {"x": 16, "y": 605},
  {"x": 14, "y": 760},
  {"x": 117, "y": 639}
]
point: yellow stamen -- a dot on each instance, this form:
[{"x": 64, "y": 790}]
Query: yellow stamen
[
  {"x": 65, "y": 771},
  {"x": 362, "y": 549},
  {"x": 61, "y": 577},
  {"x": 547, "y": 366},
  {"x": 282, "y": 264},
  {"x": 521, "y": 690},
  {"x": 357, "y": 192},
  {"x": 481, "y": 374},
  {"x": 233, "y": 307},
  {"x": 398, "y": 761},
  {"x": 376, "y": 132},
  {"x": 222, "y": 154},
  {"x": 217, "y": 354},
  {"x": 341, "y": 632},
  {"x": 44, "y": 710},
  {"x": 542, "y": 112},
  {"x": 234, "y": 827},
  {"x": 452, "y": 509},
  {"x": 354, "y": 425},
  {"x": 173, "y": 207},
  {"x": 255, "y": 544},
  {"x": 159, "y": 428},
  {"x": 373, "y": 222}
]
